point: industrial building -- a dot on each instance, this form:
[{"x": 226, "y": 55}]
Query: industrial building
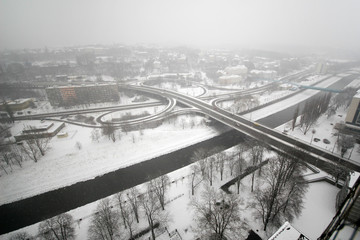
[{"x": 84, "y": 94}]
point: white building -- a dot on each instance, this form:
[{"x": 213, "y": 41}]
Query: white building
[
  {"x": 321, "y": 68},
  {"x": 288, "y": 232},
  {"x": 263, "y": 74},
  {"x": 237, "y": 70},
  {"x": 230, "y": 79}
]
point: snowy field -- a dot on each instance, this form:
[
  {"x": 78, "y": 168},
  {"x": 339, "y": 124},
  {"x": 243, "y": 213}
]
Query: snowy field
[
  {"x": 64, "y": 164},
  {"x": 45, "y": 107},
  {"x": 315, "y": 216},
  {"x": 64, "y": 161},
  {"x": 188, "y": 90},
  {"x": 324, "y": 129}
]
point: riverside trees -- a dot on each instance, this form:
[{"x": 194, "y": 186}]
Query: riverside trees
[
  {"x": 217, "y": 214},
  {"x": 104, "y": 224},
  {"x": 59, "y": 227},
  {"x": 312, "y": 111},
  {"x": 280, "y": 196}
]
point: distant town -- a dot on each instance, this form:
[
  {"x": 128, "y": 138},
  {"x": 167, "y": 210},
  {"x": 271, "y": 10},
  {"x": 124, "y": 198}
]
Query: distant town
[{"x": 148, "y": 142}]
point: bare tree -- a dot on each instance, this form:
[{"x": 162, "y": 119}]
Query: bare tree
[
  {"x": 125, "y": 212},
  {"x": 109, "y": 131},
  {"x": 200, "y": 157},
  {"x": 105, "y": 222},
  {"x": 344, "y": 98},
  {"x": 5, "y": 156},
  {"x": 256, "y": 152},
  {"x": 120, "y": 202},
  {"x": 133, "y": 138},
  {"x": 240, "y": 165},
  {"x": 95, "y": 135},
  {"x": 211, "y": 163},
  {"x": 129, "y": 222},
  {"x": 217, "y": 215},
  {"x": 40, "y": 142},
  {"x": 312, "y": 111},
  {"x": 220, "y": 159},
  {"x": 345, "y": 142},
  {"x": 279, "y": 195},
  {"x": 159, "y": 186},
  {"x": 17, "y": 154},
  {"x": 295, "y": 116},
  {"x": 231, "y": 163},
  {"x": 21, "y": 236},
  {"x": 59, "y": 227},
  {"x": 126, "y": 128},
  {"x": 30, "y": 149},
  {"x": 195, "y": 179},
  {"x": 152, "y": 210},
  {"x": 132, "y": 196},
  {"x": 78, "y": 145}
]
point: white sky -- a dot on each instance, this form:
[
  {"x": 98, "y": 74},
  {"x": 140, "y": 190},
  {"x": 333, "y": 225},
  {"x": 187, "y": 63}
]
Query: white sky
[{"x": 249, "y": 23}]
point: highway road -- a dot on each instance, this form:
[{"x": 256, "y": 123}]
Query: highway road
[
  {"x": 89, "y": 110},
  {"x": 273, "y": 138},
  {"x": 32, "y": 210}
]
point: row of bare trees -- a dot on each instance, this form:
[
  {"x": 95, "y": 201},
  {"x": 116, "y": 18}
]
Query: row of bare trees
[
  {"x": 311, "y": 112},
  {"x": 207, "y": 163},
  {"x": 278, "y": 196},
  {"x": 113, "y": 216},
  {"x": 60, "y": 227},
  {"x": 29, "y": 149},
  {"x": 126, "y": 208}
]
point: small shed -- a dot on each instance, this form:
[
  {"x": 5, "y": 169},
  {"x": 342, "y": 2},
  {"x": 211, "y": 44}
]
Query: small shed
[{"x": 62, "y": 134}]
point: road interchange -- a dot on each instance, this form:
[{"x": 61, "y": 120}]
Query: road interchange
[{"x": 272, "y": 137}]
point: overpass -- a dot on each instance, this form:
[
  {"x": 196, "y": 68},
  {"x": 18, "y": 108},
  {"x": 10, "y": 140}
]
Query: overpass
[
  {"x": 274, "y": 139},
  {"x": 320, "y": 89}
]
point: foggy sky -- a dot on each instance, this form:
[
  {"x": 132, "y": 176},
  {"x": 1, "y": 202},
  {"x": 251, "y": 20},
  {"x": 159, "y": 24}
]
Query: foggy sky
[{"x": 243, "y": 23}]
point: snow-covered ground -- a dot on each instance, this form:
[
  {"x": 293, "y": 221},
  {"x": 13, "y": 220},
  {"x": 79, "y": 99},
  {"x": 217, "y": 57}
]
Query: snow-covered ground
[
  {"x": 319, "y": 209},
  {"x": 62, "y": 163},
  {"x": 324, "y": 129},
  {"x": 188, "y": 90},
  {"x": 45, "y": 107},
  {"x": 315, "y": 216}
]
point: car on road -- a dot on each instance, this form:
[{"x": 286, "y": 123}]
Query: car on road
[{"x": 256, "y": 124}]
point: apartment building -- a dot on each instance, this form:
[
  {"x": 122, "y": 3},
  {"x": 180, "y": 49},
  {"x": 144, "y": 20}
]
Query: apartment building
[{"x": 84, "y": 94}]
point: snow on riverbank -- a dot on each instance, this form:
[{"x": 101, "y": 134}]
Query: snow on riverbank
[
  {"x": 64, "y": 164},
  {"x": 319, "y": 208}
]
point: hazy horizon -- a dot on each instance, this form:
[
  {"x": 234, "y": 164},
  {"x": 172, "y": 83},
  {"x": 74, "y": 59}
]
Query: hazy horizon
[{"x": 321, "y": 24}]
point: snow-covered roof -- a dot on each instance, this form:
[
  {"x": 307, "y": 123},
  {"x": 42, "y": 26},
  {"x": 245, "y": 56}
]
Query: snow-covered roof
[
  {"x": 230, "y": 77},
  {"x": 222, "y": 72},
  {"x": 239, "y": 67},
  {"x": 287, "y": 232},
  {"x": 256, "y": 71},
  {"x": 357, "y": 95},
  {"x": 19, "y": 101}
]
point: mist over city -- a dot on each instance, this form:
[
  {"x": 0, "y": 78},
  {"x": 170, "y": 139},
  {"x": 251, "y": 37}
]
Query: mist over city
[{"x": 179, "y": 120}]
